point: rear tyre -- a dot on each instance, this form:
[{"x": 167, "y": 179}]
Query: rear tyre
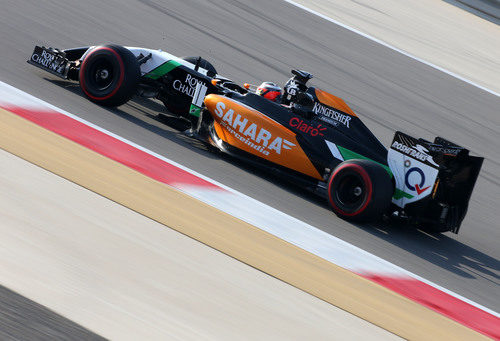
[
  {"x": 360, "y": 190},
  {"x": 204, "y": 64},
  {"x": 109, "y": 75}
]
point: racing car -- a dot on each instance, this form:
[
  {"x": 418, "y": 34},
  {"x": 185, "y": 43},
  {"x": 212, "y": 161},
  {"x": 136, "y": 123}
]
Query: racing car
[{"x": 311, "y": 137}]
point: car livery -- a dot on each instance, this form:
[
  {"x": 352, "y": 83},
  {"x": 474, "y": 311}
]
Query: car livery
[{"x": 314, "y": 139}]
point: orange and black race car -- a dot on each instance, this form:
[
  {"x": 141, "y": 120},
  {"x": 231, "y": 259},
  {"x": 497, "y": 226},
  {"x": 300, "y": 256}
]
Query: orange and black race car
[{"x": 308, "y": 135}]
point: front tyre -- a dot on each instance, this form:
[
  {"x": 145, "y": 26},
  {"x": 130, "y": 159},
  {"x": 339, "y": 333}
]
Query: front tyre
[
  {"x": 109, "y": 75},
  {"x": 359, "y": 190}
]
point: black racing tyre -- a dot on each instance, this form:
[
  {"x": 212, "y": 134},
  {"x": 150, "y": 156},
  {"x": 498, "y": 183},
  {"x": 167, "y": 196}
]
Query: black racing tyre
[
  {"x": 109, "y": 75},
  {"x": 204, "y": 64},
  {"x": 360, "y": 190}
]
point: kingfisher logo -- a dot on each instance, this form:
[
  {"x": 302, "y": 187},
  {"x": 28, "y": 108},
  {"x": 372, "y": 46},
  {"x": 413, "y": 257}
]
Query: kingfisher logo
[
  {"x": 306, "y": 128},
  {"x": 416, "y": 175},
  {"x": 330, "y": 115},
  {"x": 249, "y": 133}
]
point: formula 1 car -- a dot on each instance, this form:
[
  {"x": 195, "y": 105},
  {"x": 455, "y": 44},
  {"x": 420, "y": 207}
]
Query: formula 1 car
[{"x": 315, "y": 140}]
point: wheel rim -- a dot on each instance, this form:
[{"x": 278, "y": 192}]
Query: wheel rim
[
  {"x": 101, "y": 75},
  {"x": 351, "y": 192}
]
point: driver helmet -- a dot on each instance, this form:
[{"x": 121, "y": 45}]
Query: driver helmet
[{"x": 270, "y": 91}]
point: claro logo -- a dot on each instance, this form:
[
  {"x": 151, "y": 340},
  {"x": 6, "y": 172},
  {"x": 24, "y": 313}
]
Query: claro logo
[
  {"x": 306, "y": 128},
  {"x": 249, "y": 133}
]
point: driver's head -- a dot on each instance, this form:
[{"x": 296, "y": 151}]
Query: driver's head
[{"x": 270, "y": 91}]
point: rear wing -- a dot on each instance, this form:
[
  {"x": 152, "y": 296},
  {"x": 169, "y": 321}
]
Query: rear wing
[{"x": 433, "y": 180}]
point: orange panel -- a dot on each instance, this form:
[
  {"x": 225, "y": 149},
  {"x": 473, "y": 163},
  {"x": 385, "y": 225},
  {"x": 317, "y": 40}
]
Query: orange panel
[
  {"x": 333, "y": 101},
  {"x": 247, "y": 129}
]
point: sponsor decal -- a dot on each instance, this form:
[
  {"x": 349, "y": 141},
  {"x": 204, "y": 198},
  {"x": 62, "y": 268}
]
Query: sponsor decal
[
  {"x": 331, "y": 115},
  {"x": 414, "y": 170},
  {"x": 194, "y": 110},
  {"x": 292, "y": 87},
  {"x": 418, "y": 187},
  {"x": 48, "y": 60},
  {"x": 445, "y": 150},
  {"x": 417, "y": 152},
  {"x": 306, "y": 128},
  {"x": 250, "y": 133},
  {"x": 188, "y": 86},
  {"x": 197, "y": 102}
]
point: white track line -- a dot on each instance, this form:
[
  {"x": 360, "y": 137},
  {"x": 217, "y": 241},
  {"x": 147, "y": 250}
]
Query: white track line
[{"x": 383, "y": 43}]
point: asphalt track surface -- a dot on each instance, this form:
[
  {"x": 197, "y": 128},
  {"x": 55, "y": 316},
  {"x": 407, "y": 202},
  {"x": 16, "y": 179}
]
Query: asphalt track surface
[
  {"x": 263, "y": 40},
  {"x": 23, "y": 319}
]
